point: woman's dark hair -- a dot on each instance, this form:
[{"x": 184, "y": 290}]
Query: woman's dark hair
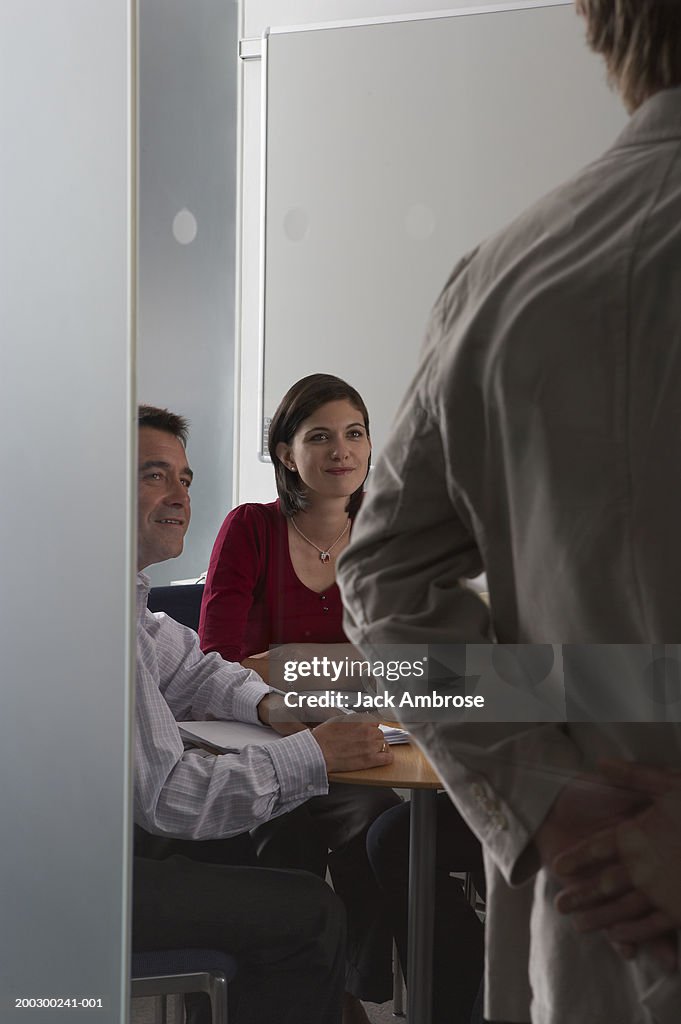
[{"x": 300, "y": 402}]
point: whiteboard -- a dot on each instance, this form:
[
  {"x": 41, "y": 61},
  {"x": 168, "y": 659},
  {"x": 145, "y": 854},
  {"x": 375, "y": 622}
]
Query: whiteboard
[{"x": 391, "y": 147}]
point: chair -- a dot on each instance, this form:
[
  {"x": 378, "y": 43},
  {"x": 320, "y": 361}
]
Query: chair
[
  {"x": 178, "y": 971},
  {"x": 182, "y": 602}
]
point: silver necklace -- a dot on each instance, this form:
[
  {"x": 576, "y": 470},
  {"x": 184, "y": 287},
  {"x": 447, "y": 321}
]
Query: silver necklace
[{"x": 324, "y": 555}]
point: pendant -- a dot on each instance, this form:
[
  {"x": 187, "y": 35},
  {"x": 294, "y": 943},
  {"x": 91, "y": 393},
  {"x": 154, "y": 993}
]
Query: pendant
[{"x": 324, "y": 556}]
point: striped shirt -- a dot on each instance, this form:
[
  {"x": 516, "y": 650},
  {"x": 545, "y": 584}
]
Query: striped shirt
[{"x": 191, "y": 794}]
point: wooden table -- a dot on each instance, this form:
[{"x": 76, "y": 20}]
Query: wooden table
[{"x": 411, "y": 770}]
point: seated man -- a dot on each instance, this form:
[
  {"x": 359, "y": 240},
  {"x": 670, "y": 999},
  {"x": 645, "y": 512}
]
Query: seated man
[{"x": 286, "y": 928}]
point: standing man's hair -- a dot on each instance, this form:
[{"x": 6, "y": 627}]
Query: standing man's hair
[
  {"x": 641, "y": 43},
  {"x": 162, "y": 419}
]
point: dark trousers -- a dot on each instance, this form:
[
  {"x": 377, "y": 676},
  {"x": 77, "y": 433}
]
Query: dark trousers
[
  {"x": 285, "y": 928},
  {"x": 458, "y": 951},
  {"x": 331, "y": 831}
]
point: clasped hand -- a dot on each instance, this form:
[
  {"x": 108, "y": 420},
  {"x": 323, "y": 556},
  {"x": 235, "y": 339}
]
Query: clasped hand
[{"x": 625, "y": 878}]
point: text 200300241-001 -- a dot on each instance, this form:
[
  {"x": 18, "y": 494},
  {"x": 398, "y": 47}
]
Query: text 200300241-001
[{"x": 58, "y": 1003}]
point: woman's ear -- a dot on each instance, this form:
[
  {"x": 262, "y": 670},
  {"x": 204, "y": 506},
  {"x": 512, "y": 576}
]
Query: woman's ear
[{"x": 283, "y": 453}]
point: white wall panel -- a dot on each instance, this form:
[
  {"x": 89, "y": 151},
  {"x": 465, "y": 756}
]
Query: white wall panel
[
  {"x": 400, "y": 144},
  {"x": 188, "y": 109},
  {"x": 254, "y": 480},
  {"x": 66, "y": 541}
]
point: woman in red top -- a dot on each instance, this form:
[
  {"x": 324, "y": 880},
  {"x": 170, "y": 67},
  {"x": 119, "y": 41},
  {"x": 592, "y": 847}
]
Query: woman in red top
[
  {"x": 272, "y": 581},
  {"x": 254, "y": 598}
]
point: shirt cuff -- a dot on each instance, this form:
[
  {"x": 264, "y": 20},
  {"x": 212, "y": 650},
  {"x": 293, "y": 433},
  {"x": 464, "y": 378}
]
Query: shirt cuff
[
  {"x": 300, "y": 766},
  {"x": 246, "y": 699}
]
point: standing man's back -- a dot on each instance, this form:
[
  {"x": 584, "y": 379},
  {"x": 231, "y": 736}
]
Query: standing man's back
[
  {"x": 549, "y": 404},
  {"x": 541, "y": 442}
]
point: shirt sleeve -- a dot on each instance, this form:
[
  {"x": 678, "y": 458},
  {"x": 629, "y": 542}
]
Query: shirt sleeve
[
  {"x": 200, "y": 686},
  {"x": 412, "y": 544},
  {"x": 403, "y": 582},
  {"x": 236, "y": 565},
  {"x": 193, "y": 794}
]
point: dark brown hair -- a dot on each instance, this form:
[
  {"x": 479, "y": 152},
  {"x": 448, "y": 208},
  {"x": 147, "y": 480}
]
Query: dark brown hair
[
  {"x": 162, "y": 419},
  {"x": 641, "y": 43},
  {"x": 300, "y": 402}
]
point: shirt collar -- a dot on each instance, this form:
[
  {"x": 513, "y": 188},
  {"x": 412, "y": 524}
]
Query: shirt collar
[
  {"x": 657, "y": 119},
  {"x": 143, "y": 583}
]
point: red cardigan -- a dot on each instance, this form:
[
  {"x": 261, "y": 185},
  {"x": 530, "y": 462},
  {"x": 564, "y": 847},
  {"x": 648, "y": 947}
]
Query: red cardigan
[{"x": 253, "y": 598}]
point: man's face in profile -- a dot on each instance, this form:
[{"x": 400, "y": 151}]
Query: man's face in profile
[{"x": 163, "y": 497}]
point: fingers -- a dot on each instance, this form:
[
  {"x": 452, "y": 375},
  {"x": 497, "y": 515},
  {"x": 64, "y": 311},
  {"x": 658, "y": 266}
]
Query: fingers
[
  {"x": 662, "y": 948},
  {"x": 621, "y": 910},
  {"x": 362, "y": 751},
  {"x": 599, "y": 848},
  {"x": 648, "y": 928},
  {"x": 610, "y": 883},
  {"x": 350, "y": 743},
  {"x": 362, "y": 730},
  {"x": 377, "y": 760},
  {"x": 375, "y": 740},
  {"x": 641, "y": 778},
  {"x": 614, "y": 877},
  {"x": 367, "y": 740}
]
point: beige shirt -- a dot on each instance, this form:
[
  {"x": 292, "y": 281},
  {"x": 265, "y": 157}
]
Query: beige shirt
[{"x": 541, "y": 441}]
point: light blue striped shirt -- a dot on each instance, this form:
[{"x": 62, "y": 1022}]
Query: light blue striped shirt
[{"x": 192, "y": 794}]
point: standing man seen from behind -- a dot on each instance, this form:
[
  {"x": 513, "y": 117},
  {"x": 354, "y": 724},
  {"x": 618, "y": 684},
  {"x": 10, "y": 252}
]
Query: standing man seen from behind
[
  {"x": 285, "y": 928},
  {"x": 541, "y": 442}
]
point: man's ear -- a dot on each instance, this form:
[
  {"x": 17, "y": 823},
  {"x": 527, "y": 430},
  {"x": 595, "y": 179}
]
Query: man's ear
[{"x": 283, "y": 453}]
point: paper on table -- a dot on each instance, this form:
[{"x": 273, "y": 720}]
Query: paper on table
[
  {"x": 228, "y": 737},
  {"x": 394, "y": 735},
  {"x": 231, "y": 737}
]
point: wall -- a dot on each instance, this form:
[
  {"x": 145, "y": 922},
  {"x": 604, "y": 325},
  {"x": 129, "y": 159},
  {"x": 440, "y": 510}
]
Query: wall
[
  {"x": 66, "y": 540},
  {"x": 254, "y": 479},
  {"x": 188, "y": 106},
  {"x": 380, "y": 180}
]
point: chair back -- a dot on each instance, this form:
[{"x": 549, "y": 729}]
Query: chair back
[
  {"x": 182, "y": 602},
  {"x": 177, "y": 972}
]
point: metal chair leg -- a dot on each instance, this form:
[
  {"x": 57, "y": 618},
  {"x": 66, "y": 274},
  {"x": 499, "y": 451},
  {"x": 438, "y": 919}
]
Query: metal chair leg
[
  {"x": 469, "y": 890},
  {"x": 217, "y": 991},
  {"x": 398, "y": 986},
  {"x": 176, "y": 1007}
]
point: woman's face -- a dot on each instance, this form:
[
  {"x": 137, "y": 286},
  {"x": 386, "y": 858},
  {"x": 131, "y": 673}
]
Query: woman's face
[{"x": 330, "y": 450}]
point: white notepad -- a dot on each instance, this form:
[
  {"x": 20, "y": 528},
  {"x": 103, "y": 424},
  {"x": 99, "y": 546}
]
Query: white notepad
[
  {"x": 394, "y": 735},
  {"x": 228, "y": 737},
  {"x": 231, "y": 737}
]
